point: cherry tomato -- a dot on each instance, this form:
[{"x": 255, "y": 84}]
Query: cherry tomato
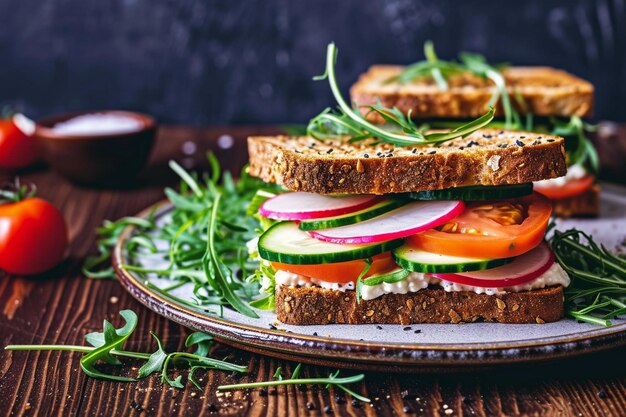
[
  {"x": 497, "y": 229},
  {"x": 570, "y": 189},
  {"x": 17, "y": 149},
  {"x": 33, "y": 236},
  {"x": 341, "y": 272}
]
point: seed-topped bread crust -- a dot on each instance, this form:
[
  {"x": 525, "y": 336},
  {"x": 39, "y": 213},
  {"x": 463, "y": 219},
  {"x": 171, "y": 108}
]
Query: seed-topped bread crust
[
  {"x": 315, "y": 305},
  {"x": 545, "y": 92},
  {"x": 486, "y": 157}
]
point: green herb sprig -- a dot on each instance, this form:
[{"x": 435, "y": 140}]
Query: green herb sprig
[
  {"x": 106, "y": 347},
  {"x": 332, "y": 380},
  {"x": 204, "y": 241},
  {"x": 583, "y": 152},
  {"x": 597, "y": 292},
  {"x": 400, "y": 130}
]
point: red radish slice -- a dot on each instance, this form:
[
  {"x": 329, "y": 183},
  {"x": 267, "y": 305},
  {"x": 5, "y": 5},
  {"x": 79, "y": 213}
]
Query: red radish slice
[
  {"x": 407, "y": 220},
  {"x": 523, "y": 269},
  {"x": 301, "y": 206}
]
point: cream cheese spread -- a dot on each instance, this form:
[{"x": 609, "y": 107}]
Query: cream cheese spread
[{"x": 415, "y": 281}]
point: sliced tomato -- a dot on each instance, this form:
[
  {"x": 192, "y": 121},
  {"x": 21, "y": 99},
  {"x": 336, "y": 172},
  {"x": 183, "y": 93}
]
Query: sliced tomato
[
  {"x": 497, "y": 229},
  {"x": 341, "y": 272},
  {"x": 571, "y": 188}
]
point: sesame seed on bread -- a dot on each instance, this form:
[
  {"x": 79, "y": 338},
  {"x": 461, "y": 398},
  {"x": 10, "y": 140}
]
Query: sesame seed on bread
[{"x": 486, "y": 157}]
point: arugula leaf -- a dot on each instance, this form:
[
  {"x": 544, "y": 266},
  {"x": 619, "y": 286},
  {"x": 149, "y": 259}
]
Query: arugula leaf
[
  {"x": 111, "y": 339},
  {"x": 203, "y": 342},
  {"x": 155, "y": 361}
]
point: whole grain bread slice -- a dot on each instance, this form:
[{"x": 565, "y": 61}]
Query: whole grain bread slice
[
  {"x": 545, "y": 92},
  {"x": 315, "y": 305},
  {"x": 486, "y": 157}
]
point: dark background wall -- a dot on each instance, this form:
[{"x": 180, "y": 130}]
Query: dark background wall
[{"x": 236, "y": 61}]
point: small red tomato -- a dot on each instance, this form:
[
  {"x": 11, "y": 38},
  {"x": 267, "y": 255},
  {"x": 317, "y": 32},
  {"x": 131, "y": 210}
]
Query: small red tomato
[
  {"x": 33, "y": 236},
  {"x": 18, "y": 148}
]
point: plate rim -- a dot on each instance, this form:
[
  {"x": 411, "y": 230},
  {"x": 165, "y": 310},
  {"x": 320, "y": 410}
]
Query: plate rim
[{"x": 401, "y": 354}]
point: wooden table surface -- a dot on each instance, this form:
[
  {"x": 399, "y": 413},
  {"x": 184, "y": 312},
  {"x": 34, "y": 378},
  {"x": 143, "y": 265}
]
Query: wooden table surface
[{"x": 62, "y": 306}]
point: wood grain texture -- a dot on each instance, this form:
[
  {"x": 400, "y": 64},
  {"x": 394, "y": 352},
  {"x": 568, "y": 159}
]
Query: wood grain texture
[{"x": 62, "y": 306}]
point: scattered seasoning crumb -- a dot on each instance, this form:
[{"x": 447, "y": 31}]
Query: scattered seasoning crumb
[
  {"x": 602, "y": 394},
  {"x": 314, "y": 333},
  {"x": 432, "y": 152},
  {"x": 193, "y": 394},
  {"x": 27, "y": 406},
  {"x": 502, "y": 145},
  {"x": 330, "y": 150},
  {"x": 262, "y": 392},
  {"x": 445, "y": 406},
  {"x": 417, "y": 331},
  {"x": 519, "y": 142},
  {"x": 522, "y": 137},
  {"x": 272, "y": 327},
  {"x": 449, "y": 411},
  {"x": 486, "y": 136},
  {"x": 356, "y": 403},
  {"x": 113, "y": 300},
  {"x": 389, "y": 155},
  {"x": 339, "y": 399},
  {"x": 550, "y": 140},
  {"x": 421, "y": 153},
  {"x": 413, "y": 150},
  {"x": 379, "y": 327},
  {"x": 404, "y": 394},
  {"x": 461, "y": 147},
  {"x": 366, "y": 155},
  {"x": 310, "y": 405},
  {"x": 407, "y": 409},
  {"x": 534, "y": 143},
  {"x": 312, "y": 145},
  {"x": 501, "y": 132},
  {"x": 327, "y": 409},
  {"x": 407, "y": 328}
]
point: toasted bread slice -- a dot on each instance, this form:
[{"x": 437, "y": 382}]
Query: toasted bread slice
[
  {"x": 545, "y": 92},
  {"x": 586, "y": 204},
  {"x": 315, "y": 305},
  {"x": 486, "y": 157}
]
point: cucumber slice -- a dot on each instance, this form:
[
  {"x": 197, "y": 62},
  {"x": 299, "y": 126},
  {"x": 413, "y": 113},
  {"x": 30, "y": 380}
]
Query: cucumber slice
[
  {"x": 417, "y": 260},
  {"x": 352, "y": 218},
  {"x": 475, "y": 192},
  {"x": 285, "y": 243},
  {"x": 260, "y": 197},
  {"x": 394, "y": 276}
]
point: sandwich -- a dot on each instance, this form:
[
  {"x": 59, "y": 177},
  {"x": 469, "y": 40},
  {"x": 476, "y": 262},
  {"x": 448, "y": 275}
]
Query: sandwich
[
  {"x": 393, "y": 224},
  {"x": 539, "y": 99}
]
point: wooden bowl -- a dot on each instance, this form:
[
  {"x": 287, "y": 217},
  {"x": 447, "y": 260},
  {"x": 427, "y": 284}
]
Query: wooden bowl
[{"x": 111, "y": 159}]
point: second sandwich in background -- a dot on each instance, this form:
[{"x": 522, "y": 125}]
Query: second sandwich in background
[{"x": 537, "y": 99}]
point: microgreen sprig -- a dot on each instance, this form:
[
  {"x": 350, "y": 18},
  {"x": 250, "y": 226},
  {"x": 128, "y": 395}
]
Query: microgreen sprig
[
  {"x": 349, "y": 122},
  {"x": 597, "y": 292},
  {"x": 332, "y": 380},
  {"x": 106, "y": 346}
]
